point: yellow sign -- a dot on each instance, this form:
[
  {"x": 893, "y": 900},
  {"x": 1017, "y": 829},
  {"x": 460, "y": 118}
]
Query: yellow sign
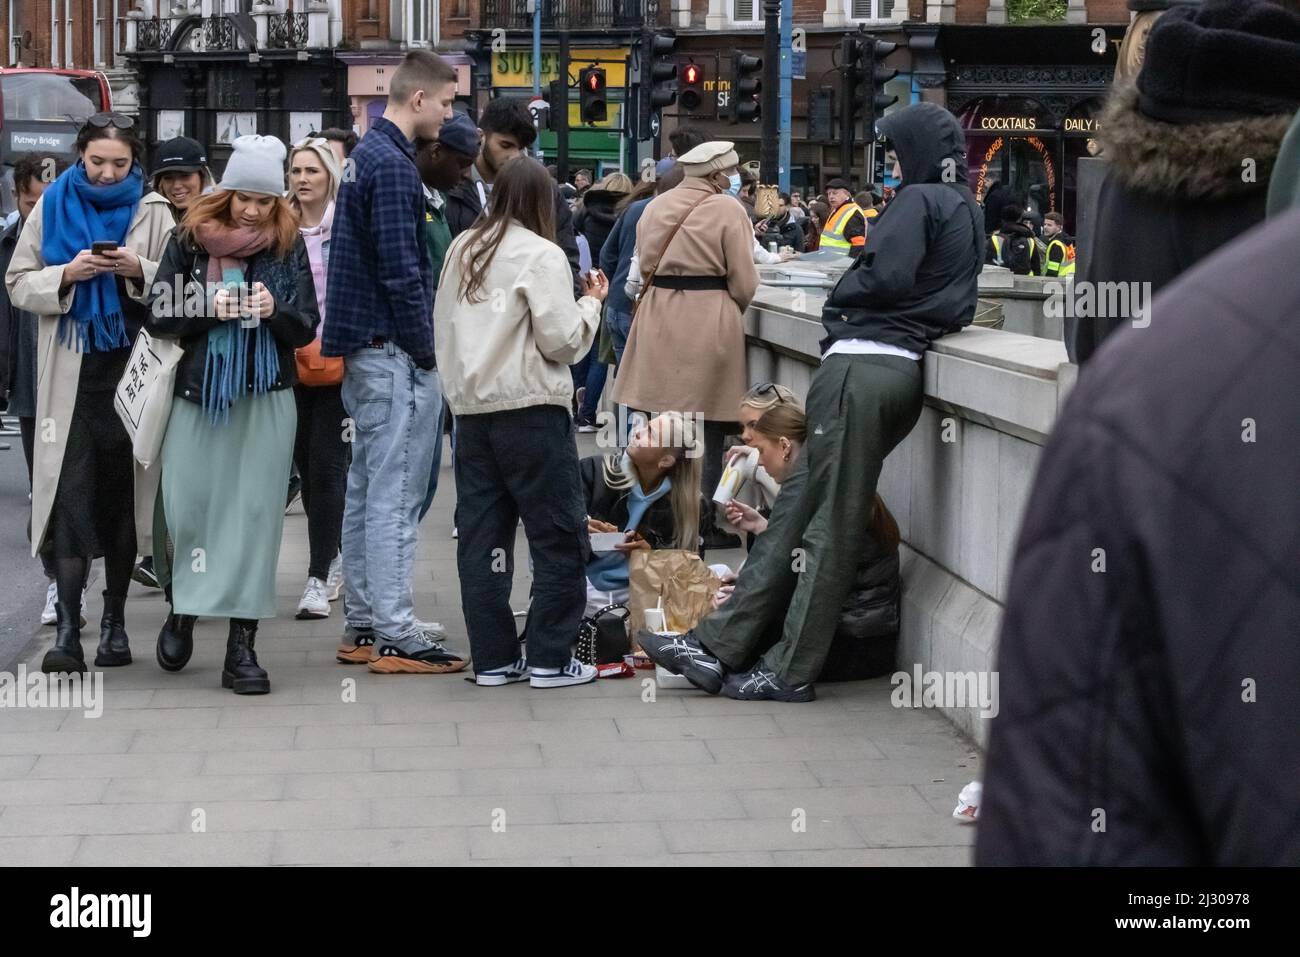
[
  {"x": 1081, "y": 124},
  {"x": 515, "y": 67}
]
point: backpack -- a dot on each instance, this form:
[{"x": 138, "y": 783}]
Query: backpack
[{"x": 1016, "y": 253}]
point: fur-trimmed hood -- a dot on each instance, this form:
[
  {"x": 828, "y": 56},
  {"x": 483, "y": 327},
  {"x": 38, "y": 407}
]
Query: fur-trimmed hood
[{"x": 1192, "y": 160}]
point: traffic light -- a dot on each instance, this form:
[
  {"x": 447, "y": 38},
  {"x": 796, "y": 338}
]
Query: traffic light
[
  {"x": 658, "y": 78},
  {"x": 745, "y": 87},
  {"x": 557, "y": 105},
  {"x": 691, "y": 93},
  {"x": 875, "y": 76},
  {"x": 591, "y": 95}
]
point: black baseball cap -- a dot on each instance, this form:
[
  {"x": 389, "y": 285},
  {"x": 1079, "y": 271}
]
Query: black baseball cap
[{"x": 181, "y": 155}]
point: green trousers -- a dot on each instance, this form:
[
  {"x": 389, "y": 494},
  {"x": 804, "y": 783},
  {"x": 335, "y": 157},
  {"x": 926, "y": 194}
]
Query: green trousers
[{"x": 791, "y": 589}]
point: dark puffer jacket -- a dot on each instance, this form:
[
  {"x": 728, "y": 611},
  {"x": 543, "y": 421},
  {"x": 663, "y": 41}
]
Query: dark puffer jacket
[
  {"x": 1149, "y": 663},
  {"x": 596, "y": 218},
  {"x": 293, "y": 323}
]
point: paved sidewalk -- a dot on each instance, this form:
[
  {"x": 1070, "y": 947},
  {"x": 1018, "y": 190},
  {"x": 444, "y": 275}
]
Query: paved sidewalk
[{"x": 432, "y": 770}]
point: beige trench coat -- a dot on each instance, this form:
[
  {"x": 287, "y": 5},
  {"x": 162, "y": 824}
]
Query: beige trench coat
[
  {"x": 34, "y": 286},
  {"x": 686, "y": 351}
]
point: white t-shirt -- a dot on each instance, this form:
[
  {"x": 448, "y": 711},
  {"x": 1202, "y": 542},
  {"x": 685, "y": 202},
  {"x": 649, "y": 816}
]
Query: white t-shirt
[{"x": 867, "y": 347}]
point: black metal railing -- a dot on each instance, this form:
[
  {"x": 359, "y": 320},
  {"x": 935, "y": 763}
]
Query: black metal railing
[
  {"x": 287, "y": 31},
  {"x": 219, "y": 33},
  {"x": 571, "y": 14},
  {"x": 153, "y": 34}
]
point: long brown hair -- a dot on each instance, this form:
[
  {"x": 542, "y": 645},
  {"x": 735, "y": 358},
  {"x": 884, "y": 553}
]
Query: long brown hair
[
  {"x": 523, "y": 192},
  {"x": 683, "y": 441},
  {"x": 216, "y": 205}
]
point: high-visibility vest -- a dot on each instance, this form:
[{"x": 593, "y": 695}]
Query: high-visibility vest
[
  {"x": 833, "y": 231},
  {"x": 1065, "y": 265}
]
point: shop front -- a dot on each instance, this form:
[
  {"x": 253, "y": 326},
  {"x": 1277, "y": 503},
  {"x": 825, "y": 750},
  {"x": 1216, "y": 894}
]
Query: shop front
[
  {"x": 1028, "y": 124},
  {"x": 1017, "y": 141}
]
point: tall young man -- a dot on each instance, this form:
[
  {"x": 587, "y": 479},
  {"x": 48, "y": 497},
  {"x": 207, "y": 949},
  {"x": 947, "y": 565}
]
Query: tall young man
[{"x": 380, "y": 308}]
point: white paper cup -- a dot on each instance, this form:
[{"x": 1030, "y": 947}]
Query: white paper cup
[{"x": 654, "y": 620}]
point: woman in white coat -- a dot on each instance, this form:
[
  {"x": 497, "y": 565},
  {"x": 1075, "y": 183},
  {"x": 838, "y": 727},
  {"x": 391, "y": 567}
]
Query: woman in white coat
[{"x": 84, "y": 489}]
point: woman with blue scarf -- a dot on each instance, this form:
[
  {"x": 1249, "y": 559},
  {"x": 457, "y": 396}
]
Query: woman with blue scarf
[
  {"x": 235, "y": 288},
  {"x": 84, "y": 485}
]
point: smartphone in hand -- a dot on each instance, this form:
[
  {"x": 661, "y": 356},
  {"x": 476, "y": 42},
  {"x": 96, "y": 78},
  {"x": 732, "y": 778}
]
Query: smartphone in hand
[{"x": 102, "y": 247}]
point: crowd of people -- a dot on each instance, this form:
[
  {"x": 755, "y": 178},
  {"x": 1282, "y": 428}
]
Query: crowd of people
[{"x": 450, "y": 283}]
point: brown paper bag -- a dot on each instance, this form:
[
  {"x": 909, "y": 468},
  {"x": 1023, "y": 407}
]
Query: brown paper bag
[{"x": 679, "y": 577}]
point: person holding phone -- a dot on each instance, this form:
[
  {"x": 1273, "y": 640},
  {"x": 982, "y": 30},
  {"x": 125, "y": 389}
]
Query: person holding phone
[
  {"x": 506, "y": 328},
  {"x": 83, "y": 263},
  {"x": 230, "y": 438}
]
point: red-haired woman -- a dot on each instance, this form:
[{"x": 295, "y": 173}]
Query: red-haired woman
[{"x": 230, "y": 437}]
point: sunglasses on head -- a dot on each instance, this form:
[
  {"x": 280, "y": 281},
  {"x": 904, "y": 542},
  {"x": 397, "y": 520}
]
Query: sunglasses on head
[
  {"x": 773, "y": 388},
  {"x": 120, "y": 120}
]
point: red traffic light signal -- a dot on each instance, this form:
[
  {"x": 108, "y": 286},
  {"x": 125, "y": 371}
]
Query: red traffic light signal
[
  {"x": 591, "y": 95},
  {"x": 691, "y": 93}
]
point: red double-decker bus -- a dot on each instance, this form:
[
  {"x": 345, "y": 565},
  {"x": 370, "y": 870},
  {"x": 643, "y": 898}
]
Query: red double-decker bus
[{"x": 40, "y": 112}]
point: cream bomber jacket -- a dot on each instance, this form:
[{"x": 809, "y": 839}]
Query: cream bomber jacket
[{"x": 513, "y": 348}]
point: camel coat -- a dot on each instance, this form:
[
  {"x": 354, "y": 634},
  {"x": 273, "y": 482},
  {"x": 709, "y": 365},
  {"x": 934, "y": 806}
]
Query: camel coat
[
  {"x": 34, "y": 286},
  {"x": 686, "y": 351}
]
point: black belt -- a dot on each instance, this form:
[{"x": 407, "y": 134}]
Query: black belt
[
  {"x": 690, "y": 282},
  {"x": 378, "y": 342}
]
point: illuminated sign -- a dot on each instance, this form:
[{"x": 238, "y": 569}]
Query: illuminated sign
[{"x": 1028, "y": 123}]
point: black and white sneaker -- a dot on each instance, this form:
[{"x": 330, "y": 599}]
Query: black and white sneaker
[
  {"x": 764, "y": 684},
  {"x": 683, "y": 655},
  {"x": 144, "y": 573}
]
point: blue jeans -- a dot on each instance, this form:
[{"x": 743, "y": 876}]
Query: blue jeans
[
  {"x": 620, "y": 327},
  {"x": 437, "y": 465},
  {"x": 589, "y": 372},
  {"x": 395, "y": 407}
]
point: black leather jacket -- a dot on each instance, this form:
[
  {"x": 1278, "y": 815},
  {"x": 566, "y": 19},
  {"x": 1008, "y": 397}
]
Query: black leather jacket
[
  {"x": 293, "y": 323},
  {"x": 611, "y": 505}
]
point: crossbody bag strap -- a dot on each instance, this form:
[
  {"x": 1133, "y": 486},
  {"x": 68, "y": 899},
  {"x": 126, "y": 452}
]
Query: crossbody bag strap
[{"x": 645, "y": 286}]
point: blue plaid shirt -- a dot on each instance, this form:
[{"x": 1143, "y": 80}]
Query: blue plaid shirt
[{"x": 380, "y": 281}]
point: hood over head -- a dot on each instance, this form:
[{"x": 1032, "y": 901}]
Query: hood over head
[{"x": 923, "y": 136}]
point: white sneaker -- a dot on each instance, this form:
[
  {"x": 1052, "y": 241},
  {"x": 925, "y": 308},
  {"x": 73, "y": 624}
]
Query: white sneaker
[
  {"x": 503, "y": 676},
  {"x": 574, "y": 673},
  {"x": 315, "y": 602},
  {"x": 334, "y": 580},
  {"x": 455, "y": 532},
  {"x": 49, "y": 616}
]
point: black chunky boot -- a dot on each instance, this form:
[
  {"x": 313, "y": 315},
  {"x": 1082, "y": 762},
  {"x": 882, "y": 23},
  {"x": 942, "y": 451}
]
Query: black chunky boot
[
  {"x": 66, "y": 657},
  {"x": 241, "y": 670},
  {"x": 114, "y": 647},
  {"x": 175, "y": 642}
]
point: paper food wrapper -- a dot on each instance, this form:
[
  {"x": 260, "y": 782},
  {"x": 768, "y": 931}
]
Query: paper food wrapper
[{"x": 679, "y": 577}]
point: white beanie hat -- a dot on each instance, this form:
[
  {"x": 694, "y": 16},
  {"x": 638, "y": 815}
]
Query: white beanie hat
[{"x": 256, "y": 166}]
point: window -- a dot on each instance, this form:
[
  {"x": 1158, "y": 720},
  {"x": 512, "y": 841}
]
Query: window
[
  {"x": 746, "y": 11},
  {"x": 872, "y": 9}
]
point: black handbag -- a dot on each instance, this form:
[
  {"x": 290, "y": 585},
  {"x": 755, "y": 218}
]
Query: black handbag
[{"x": 603, "y": 638}]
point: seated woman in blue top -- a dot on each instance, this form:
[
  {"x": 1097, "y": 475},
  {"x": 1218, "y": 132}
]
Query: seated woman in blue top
[{"x": 651, "y": 492}]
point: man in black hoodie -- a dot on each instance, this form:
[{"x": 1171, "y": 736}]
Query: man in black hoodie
[
  {"x": 1014, "y": 245},
  {"x": 915, "y": 281}
]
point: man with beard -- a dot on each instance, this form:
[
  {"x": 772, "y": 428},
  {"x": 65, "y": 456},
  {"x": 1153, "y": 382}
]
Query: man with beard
[{"x": 506, "y": 129}]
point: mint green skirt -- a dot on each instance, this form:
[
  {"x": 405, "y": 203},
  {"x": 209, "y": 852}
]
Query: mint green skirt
[{"x": 223, "y": 492}]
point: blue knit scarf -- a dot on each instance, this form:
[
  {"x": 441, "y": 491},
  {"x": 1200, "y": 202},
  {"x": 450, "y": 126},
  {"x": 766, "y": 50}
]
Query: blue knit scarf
[{"x": 77, "y": 213}]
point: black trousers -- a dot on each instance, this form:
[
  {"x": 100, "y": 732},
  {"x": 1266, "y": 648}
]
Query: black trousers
[
  {"x": 27, "y": 426},
  {"x": 510, "y": 465},
  {"x": 322, "y": 457},
  {"x": 94, "y": 506}
]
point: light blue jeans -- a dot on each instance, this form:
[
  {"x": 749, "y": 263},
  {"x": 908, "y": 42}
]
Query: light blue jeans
[{"x": 395, "y": 408}]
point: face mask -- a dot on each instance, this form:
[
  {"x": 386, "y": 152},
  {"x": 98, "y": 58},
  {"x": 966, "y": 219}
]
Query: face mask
[{"x": 734, "y": 188}]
